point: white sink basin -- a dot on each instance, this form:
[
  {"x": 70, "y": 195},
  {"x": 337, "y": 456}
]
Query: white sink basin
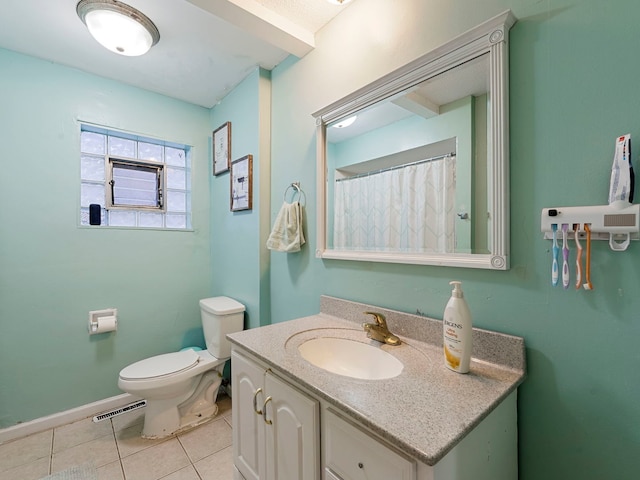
[{"x": 350, "y": 358}]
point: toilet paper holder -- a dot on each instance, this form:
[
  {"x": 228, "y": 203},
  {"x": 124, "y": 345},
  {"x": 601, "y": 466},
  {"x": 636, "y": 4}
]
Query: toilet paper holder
[{"x": 102, "y": 321}]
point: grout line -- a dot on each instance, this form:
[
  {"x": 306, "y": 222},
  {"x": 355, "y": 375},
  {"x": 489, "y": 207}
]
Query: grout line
[
  {"x": 53, "y": 435},
  {"x": 197, "y": 472},
  {"x": 115, "y": 439},
  {"x": 124, "y": 476},
  {"x": 184, "y": 449}
]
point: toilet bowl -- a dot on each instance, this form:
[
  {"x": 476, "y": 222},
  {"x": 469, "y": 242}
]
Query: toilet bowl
[{"x": 181, "y": 387}]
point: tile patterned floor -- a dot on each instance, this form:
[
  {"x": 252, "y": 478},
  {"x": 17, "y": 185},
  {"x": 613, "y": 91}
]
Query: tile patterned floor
[{"x": 118, "y": 452}]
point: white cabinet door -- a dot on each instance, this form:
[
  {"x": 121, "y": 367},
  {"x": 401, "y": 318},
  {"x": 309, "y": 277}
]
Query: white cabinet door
[
  {"x": 248, "y": 428},
  {"x": 293, "y": 432},
  {"x": 276, "y": 430}
]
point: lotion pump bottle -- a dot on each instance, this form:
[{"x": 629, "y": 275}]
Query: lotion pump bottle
[{"x": 457, "y": 330}]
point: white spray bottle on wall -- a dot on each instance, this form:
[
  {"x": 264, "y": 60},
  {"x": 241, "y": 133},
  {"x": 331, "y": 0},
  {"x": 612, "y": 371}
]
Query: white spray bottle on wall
[{"x": 457, "y": 331}]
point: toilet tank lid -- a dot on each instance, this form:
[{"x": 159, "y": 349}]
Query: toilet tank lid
[{"x": 221, "y": 305}]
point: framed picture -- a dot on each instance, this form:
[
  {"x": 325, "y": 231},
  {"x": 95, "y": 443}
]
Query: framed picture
[
  {"x": 242, "y": 183},
  {"x": 222, "y": 148}
]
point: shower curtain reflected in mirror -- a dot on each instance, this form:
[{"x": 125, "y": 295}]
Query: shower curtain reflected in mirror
[{"x": 409, "y": 208}]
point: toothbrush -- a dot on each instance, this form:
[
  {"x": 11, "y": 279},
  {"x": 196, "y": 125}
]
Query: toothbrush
[
  {"x": 576, "y": 236},
  {"x": 565, "y": 257},
  {"x": 588, "y": 285},
  {"x": 555, "y": 250}
]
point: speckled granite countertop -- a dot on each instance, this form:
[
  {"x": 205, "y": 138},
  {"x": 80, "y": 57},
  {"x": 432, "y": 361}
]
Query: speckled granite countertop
[{"x": 427, "y": 409}]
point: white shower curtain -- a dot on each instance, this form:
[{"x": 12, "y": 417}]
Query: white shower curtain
[{"x": 408, "y": 209}]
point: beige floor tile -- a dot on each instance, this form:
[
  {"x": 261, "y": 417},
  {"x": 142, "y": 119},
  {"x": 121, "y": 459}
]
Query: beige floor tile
[
  {"x": 228, "y": 420},
  {"x": 186, "y": 473},
  {"x": 224, "y": 406},
  {"x": 25, "y": 450},
  {"x": 99, "y": 452},
  {"x": 206, "y": 439},
  {"x": 126, "y": 420},
  {"x": 218, "y": 466},
  {"x": 79, "y": 432},
  {"x": 155, "y": 462},
  {"x": 130, "y": 440},
  {"x": 204, "y": 453},
  {"x": 29, "y": 471},
  {"x": 111, "y": 471}
]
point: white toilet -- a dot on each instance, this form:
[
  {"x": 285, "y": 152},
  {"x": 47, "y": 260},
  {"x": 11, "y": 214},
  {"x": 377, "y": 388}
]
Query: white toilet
[{"x": 181, "y": 387}]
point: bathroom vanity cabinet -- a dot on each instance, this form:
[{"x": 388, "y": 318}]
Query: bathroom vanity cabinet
[
  {"x": 278, "y": 427},
  {"x": 295, "y": 421}
]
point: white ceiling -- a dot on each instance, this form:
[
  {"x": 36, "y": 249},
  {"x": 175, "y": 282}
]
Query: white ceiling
[{"x": 206, "y": 47}]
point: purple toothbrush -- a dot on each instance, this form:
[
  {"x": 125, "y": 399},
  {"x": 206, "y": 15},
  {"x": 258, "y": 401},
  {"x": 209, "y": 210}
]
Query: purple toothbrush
[{"x": 565, "y": 257}]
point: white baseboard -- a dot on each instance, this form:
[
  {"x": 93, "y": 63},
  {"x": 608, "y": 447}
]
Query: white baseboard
[{"x": 62, "y": 418}]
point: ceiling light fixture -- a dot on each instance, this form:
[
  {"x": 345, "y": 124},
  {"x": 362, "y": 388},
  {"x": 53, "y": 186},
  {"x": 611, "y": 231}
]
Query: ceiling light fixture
[
  {"x": 346, "y": 122},
  {"x": 339, "y": 2},
  {"x": 118, "y": 27}
]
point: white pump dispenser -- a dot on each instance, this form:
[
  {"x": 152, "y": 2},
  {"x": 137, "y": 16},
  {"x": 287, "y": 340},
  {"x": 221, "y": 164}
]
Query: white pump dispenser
[{"x": 457, "y": 331}]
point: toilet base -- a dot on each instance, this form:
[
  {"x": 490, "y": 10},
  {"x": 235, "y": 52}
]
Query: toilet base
[{"x": 164, "y": 418}]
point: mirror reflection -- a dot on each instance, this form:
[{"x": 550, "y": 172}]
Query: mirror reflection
[
  {"x": 413, "y": 168},
  {"x": 408, "y": 174}
]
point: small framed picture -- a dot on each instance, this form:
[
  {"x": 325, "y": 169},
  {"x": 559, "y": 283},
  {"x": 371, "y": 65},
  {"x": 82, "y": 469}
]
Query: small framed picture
[
  {"x": 242, "y": 183},
  {"x": 222, "y": 148}
]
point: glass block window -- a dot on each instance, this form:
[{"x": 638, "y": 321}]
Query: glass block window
[{"x": 137, "y": 182}]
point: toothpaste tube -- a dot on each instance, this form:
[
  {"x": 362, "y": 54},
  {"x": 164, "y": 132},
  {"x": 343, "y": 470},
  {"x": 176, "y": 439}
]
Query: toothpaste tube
[{"x": 622, "y": 177}]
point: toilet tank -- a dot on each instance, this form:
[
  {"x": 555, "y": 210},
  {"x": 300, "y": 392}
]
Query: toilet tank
[{"x": 220, "y": 315}]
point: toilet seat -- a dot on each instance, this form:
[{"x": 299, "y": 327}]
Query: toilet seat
[{"x": 161, "y": 365}]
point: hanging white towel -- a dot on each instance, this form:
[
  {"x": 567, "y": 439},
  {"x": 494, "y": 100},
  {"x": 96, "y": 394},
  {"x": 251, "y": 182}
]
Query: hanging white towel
[{"x": 286, "y": 235}]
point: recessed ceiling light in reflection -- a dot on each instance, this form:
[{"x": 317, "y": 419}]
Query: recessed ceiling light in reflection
[{"x": 346, "y": 122}]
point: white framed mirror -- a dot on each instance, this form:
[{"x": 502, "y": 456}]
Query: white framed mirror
[{"x": 414, "y": 167}]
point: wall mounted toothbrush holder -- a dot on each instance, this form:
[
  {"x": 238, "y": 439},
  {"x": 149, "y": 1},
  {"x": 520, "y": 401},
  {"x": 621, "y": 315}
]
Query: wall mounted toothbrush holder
[{"x": 618, "y": 222}]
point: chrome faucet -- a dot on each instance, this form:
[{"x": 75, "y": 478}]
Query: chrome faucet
[{"x": 379, "y": 330}]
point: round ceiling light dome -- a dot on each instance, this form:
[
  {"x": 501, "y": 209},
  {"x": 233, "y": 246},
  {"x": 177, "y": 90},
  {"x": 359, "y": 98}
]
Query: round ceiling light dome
[
  {"x": 118, "y": 26},
  {"x": 346, "y": 122}
]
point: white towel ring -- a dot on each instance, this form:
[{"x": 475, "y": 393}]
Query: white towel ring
[{"x": 296, "y": 190}]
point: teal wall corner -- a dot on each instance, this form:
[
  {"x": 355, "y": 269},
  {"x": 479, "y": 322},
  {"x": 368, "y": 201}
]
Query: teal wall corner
[
  {"x": 240, "y": 260},
  {"x": 54, "y": 272}
]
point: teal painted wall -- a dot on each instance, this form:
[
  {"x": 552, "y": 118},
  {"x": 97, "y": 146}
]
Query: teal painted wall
[
  {"x": 454, "y": 120},
  {"x": 574, "y": 88},
  {"x": 52, "y": 273},
  {"x": 240, "y": 259}
]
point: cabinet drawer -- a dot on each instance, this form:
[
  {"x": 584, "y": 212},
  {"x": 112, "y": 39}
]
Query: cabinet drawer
[{"x": 351, "y": 454}]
